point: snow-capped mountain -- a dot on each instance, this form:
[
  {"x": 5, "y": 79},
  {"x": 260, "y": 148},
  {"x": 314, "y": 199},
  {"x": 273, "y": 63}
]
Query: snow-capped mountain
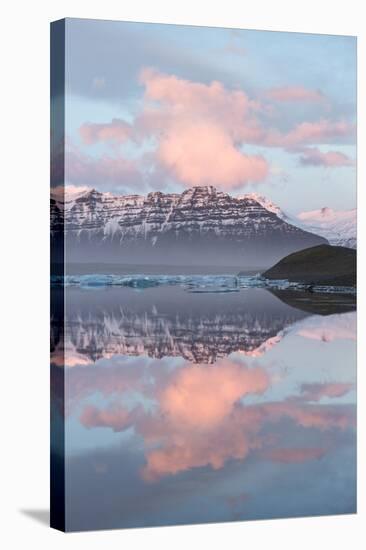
[
  {"x": 338, "y": 227},
  {"x": 201, "y": 226}
]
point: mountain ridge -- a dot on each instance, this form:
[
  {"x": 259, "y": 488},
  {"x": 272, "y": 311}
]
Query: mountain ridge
[
  {"x": 198, "y": 226},
  {"x": 337, "y": 226}
]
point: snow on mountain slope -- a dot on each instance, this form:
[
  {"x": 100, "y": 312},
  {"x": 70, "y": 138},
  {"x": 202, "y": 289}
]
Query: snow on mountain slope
[
  {"x": 266, "y": 203},
  {"x": 201, "y": 224},
  {"x": 339, "y": 227},
  {"x": 69, "y": 193}
]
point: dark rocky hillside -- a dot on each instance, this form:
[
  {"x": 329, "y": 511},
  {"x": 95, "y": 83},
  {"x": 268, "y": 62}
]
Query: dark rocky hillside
[{"x": 322, "y": 265}]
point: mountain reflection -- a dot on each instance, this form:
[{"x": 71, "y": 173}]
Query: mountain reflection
[{"x": 167, "y": 323}]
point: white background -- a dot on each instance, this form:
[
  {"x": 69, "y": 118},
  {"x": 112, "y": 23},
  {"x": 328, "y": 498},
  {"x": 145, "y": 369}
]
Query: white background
[{"x": 24, "y": 314}]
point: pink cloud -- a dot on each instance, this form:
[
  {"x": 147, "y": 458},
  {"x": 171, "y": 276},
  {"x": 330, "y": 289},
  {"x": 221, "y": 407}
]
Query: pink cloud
[
  {"x": 190, "y": 451},
  {"x": 199, "y": 418},
  {"x": 83, "y": 381},
  {"x": 177, "y": 447},
  {"x": 181, "y": 448},
  {"x": 116, "y": 418},
  {"x": 213, "y": 100},
  {"x": 314, "y": 392},
  {"x": 295, "y": 93},
  {"x": 201, "y": 397},
  {"x": 322, "y": 131},
  {"x": 290, "y": 456},
  {"x": 82, "y": 169},
  {"x": 117, "y": 131},
  {"x": 314, "y": 157},
  {"x": 199, "y": 128},
  {"x": 310, "y": 416},
  {"x": 171, "y": 103},
  {"x": 232, "y": 111},
  {"x": 199, "y": 133},
  {"x": 318, "y": 132},
  {"x": 204, "y": 154}
]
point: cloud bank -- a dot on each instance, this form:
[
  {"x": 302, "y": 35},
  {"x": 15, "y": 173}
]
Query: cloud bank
[
  {"x": 204, "y": 134},
  {"x": 201, "y": 417}
]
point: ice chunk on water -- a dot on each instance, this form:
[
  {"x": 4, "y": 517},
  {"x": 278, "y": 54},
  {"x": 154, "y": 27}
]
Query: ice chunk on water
[{"x": 190, "y": 283}]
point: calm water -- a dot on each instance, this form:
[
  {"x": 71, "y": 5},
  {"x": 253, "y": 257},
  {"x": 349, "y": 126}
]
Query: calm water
[{"x": 186, "y": 407}]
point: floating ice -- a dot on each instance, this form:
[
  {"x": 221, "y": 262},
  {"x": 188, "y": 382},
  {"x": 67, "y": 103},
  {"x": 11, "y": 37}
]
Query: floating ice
[{"x": 191, "y": 283}]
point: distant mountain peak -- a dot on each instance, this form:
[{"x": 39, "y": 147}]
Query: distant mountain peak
[
  {"x": 338, "y": 226},
  {"x": 69, "y": 193}
]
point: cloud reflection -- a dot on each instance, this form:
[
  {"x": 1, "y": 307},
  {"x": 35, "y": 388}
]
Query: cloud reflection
[{"x": 201, "y": 418}]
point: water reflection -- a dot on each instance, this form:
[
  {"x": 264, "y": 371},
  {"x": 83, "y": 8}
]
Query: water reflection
[
  {"x": 168, "y": 322},
  {"x": 189, "y": 408}
]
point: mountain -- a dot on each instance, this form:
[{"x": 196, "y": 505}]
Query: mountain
[
  {"x": 339, "y": 227},
  {"x": 200, "y": 226},
  {"x": 266, "y": 203},
  {"x": 324, "y": 265}
]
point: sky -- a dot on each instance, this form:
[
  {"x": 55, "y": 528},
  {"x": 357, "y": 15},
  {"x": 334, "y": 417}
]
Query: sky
[{"x": 165, "y": 107}]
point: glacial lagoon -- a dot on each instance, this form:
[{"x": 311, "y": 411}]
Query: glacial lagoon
[{"x": 187, "y": 403}]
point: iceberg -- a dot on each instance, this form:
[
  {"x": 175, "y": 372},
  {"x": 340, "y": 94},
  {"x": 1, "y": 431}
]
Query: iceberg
[{"x": 190, "y": 283}]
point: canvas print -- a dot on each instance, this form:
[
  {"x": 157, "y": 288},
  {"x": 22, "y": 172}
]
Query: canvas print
[{"x": 203, "y": 275}]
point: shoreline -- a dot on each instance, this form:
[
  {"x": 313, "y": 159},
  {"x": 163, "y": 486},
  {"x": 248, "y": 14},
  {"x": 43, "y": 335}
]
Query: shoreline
[{"x": 225, "y": 282}]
